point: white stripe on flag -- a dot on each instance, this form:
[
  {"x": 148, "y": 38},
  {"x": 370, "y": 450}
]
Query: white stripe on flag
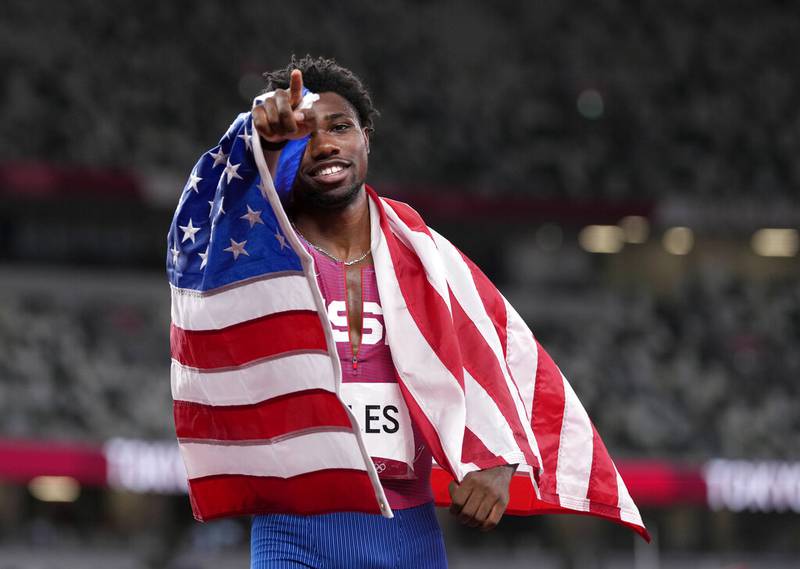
[
  {"x": 289, "y": 457},
  {"x": 253, "y": 383},
  {"x": 486, "y": 420},
  {"x": 628, "y": 512},
  {"x": 522, "y": 356},
  {"x": 433, "y": 387},
  {"x": 574, "y": 453},
  {"x": 192, "y": 311},
  {"x": 460, "y": 281},
  {"x": 425, "y": 249}
]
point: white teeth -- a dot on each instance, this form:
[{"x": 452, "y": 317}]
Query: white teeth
[{"x": 330, "y": 170}]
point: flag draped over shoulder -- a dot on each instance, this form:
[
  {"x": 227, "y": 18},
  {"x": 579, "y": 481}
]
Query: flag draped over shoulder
[{"x": 255, "y": 374}]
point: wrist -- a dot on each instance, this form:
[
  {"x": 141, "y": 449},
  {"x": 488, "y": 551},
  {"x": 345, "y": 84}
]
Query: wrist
[
  {"x": 272, "y": 146},
  {"x": 505, "y": 471},
  {"x": 508, "y": 469}
]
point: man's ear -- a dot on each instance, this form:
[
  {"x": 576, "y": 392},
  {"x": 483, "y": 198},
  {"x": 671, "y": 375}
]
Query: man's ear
[{"x": 365, "y": 132}]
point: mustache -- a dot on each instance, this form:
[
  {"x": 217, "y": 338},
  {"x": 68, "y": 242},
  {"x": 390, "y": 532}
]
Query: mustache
[{"x": 306, "y": 198}]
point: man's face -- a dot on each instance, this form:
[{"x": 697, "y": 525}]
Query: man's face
[{"x": 334, "y": 166}]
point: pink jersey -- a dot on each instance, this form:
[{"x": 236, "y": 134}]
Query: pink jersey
[{"x": 371, "y": 370}]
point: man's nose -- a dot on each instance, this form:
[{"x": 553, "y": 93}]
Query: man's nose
[{"x": 322, "y": 145}]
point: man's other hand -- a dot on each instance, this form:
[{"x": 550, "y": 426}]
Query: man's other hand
[
  {"x": 481, "y": 498},
  {"x": 277, "y": 118}
]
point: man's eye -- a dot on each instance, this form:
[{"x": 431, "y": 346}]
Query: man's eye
[{"x": 340, "y": 127}]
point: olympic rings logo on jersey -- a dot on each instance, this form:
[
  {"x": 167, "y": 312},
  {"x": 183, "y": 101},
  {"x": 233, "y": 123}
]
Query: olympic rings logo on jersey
[{"x": 371, "y": 327}]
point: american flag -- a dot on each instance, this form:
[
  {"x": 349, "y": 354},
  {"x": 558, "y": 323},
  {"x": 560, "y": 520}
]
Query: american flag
[{"x": 255, "y": 373}]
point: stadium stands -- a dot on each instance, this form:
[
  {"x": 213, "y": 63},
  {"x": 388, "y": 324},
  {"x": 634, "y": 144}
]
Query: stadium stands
[{"x": 563, "y": 100}]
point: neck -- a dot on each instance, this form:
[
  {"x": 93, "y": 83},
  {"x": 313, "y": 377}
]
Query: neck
[{"x": 344, "y": 232}]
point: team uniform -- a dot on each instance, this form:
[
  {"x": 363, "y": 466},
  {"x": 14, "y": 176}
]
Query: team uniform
[{"x": 369, "y": 387}]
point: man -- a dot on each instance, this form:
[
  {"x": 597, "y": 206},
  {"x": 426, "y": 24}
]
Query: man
[
  {"x": 327, "y": 345},
  {"x": 329, "y": 210}
]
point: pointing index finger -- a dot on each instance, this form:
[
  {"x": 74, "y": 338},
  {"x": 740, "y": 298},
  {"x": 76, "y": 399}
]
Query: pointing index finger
[{"x": 295, "y": 88}]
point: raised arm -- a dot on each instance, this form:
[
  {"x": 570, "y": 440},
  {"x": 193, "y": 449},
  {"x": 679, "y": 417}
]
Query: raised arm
[{"x": 278, "y": 120}]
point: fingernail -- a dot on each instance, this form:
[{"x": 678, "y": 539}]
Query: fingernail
[{"x": 298, "y": 116}]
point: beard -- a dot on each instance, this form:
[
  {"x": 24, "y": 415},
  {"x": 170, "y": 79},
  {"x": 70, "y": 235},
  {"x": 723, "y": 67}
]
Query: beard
[{"x": 331, "y": 200}]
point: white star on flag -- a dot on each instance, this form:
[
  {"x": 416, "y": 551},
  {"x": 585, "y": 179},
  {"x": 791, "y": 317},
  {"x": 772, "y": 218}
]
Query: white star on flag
[
  {"x": 175, "y": 252},
  {"x": 204, "y": 257},
  {"x": 281, "y": 239},
  {"x": 193, "y": 179},
  {"x": 219, "y": 158},
  {"x": 231, "y": 171},
  {"x": 188, "y": 231},
  {"x": 237, "y": 249},
  {"x": 247, "y": 139},
  {"x": 252, "y": 216}
]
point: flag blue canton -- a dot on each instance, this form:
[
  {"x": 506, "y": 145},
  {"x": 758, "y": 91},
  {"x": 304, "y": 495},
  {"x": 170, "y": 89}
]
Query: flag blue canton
[{"x": 224, "y": 229}]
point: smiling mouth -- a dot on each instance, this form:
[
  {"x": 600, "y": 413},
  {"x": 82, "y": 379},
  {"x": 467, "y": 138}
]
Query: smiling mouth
[{"x": 329, "y": 174}]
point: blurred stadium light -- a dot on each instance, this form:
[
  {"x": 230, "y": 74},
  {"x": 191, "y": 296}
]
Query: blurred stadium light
[
  {"x": 636, "y": 229},
  {"x": 602, "y": 239},
  {"x": 678, "y": 240},
  {"x": 54, "y": 488},
  {"x": 776, "y": 242}
]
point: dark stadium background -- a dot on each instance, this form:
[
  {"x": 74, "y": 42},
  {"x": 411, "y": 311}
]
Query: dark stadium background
[{"x": 626, "y": 172}]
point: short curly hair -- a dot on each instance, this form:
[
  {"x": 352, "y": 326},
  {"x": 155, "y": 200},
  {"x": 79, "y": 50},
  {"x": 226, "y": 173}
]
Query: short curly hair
[{"x": 321, "y": 75}]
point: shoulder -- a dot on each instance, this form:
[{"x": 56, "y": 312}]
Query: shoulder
[{"x": 407, "y": 214}]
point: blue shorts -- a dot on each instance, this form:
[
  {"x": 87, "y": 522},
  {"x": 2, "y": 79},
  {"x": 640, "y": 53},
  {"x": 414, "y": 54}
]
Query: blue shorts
[{"x": 348, "y": 540}]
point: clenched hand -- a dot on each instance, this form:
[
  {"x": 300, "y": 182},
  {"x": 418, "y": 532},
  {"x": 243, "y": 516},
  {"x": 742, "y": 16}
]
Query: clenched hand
[
  {"x": 277, "y": 118},
  {"x": 481, "y": 498}
]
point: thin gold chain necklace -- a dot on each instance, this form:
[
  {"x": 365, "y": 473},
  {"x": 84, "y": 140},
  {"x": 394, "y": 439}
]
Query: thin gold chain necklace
[{"x": 324, "y": 252}]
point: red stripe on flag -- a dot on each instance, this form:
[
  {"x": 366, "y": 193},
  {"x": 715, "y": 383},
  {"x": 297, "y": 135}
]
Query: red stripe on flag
[
  {"x": 523, "y": 501},
  {"x": 493, "y": 301},
  {"x": 409, "y": 216},
  {"x": 320, "y": 492},
  {"x": 423, "y": 424},
  {"x": 602, "y": 492},
  {"x": 475, "y": 451},
  {"x": 548, "y": 416},
  {"x": 426, "y": 306},
  {"x": 289, "y": 331},
  {"x": 481, "y": 363},
  {"x": 495, "y": 306},
  {"x": 315, "y": 408}
]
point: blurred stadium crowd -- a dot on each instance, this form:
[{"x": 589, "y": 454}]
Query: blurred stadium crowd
[
  {"x": 687, "y": 102},
  {"x": 581, "y": 100},
  {"x": 84, "y": 369}
]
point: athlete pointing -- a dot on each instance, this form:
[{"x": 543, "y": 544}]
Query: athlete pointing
[{"x": 329, "y": 210}]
